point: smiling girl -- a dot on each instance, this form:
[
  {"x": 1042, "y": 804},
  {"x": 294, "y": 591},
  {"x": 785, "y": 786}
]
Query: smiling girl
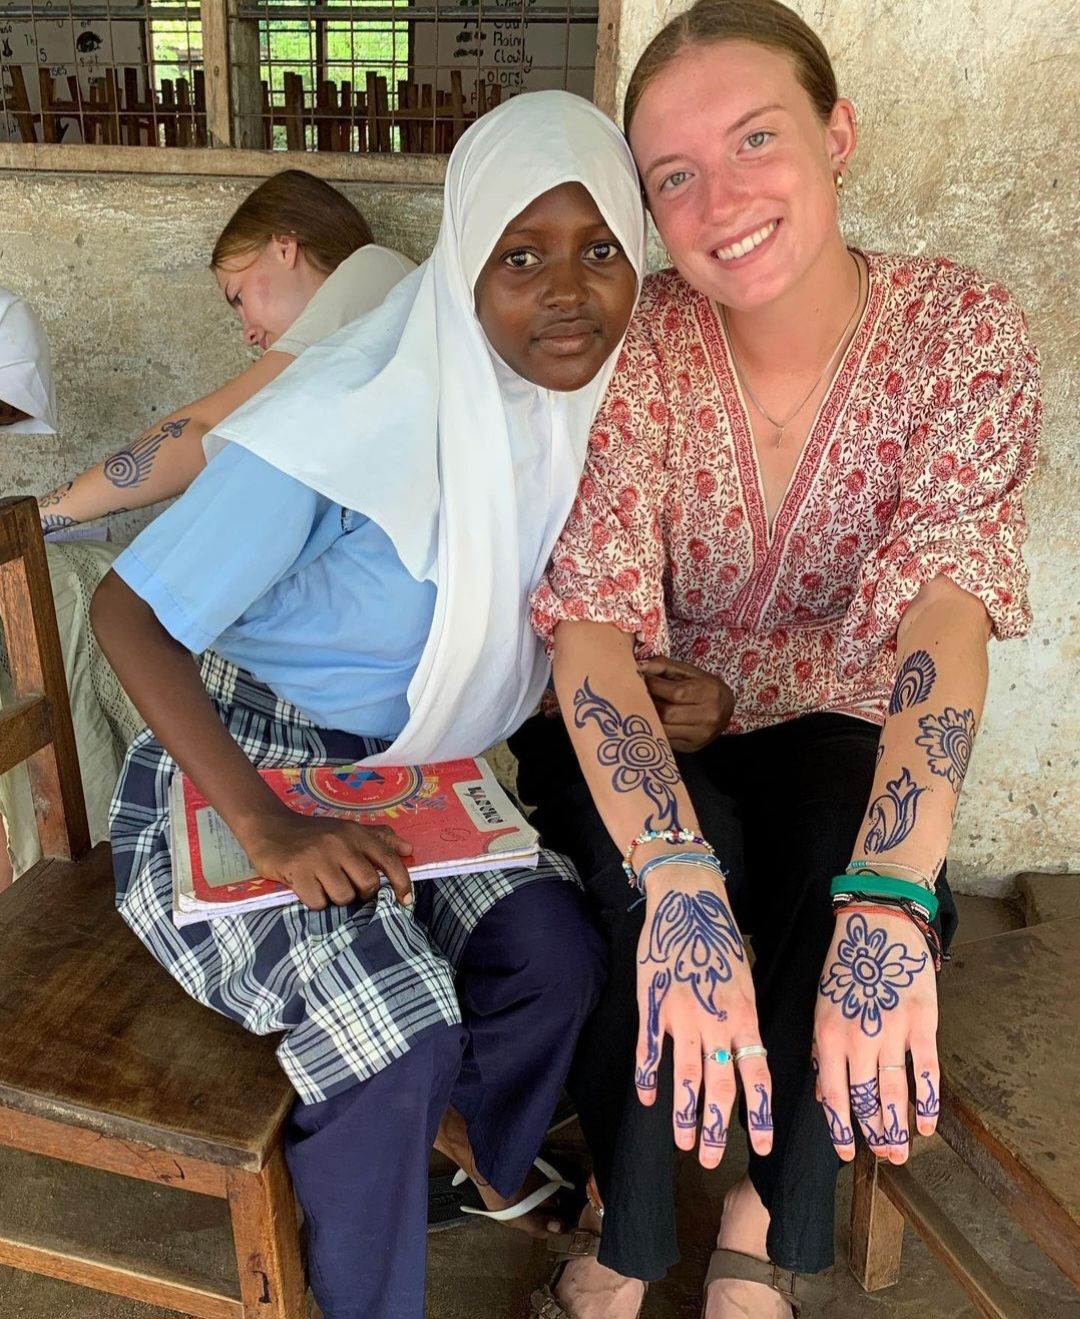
[{"x": 806, "y": 478}]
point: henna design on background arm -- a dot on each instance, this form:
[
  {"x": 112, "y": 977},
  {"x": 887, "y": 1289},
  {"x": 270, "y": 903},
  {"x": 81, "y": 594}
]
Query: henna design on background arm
[
  {"x": 131, "y": 466},
  {"x": 868, "y": 972},
  {"x": 631, "y": 748},
  {"x": 646, "y": 1076},
  {"x": 694, "y": 934},
  {"x": 55, "y": 495},
  {"x": 56, "y": 522},
  {"x": 947, "y": 740},
  {"x": 914, "y": 682},
  {"x": 892, "y": 814}
]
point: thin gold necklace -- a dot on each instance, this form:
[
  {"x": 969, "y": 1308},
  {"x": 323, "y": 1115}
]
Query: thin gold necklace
[{"x": 781, "y": 426}]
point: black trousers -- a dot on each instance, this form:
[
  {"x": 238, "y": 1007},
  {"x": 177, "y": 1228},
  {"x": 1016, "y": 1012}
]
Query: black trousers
[{"x": 782, "y": 807}]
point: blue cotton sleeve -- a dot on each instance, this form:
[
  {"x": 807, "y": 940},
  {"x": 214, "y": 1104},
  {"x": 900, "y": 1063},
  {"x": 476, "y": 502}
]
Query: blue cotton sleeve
[{"x": 239, "y": 528}]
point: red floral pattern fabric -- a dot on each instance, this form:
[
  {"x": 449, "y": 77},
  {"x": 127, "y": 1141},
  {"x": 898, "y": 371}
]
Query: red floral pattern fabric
[{"x": 914, "y": 469}]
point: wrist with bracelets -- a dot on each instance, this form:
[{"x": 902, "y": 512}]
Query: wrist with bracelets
[
  {"x": 890, "y": 896},
  {"x": 703, "y": 860}
]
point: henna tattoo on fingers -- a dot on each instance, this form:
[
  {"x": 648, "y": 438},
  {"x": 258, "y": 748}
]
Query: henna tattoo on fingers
[
  {"x": 947, "y": 739},
  {"x": 893, "y": 813},
  {"x": 760, "y": 1118},
  {"x": 868, "y": 973},
  {"x": 714, "y": 1133},
  {"x": 131, "y": 466},
  {"x": 895, "y": 1133},
  {"x": 686, "y": 1117},
  {"x": 646, "y": 1075},
  {"x": 631, "y": 748},
  {"x": 929, "y": 1104},
  {"x": 914, "y": 682},
  {"x": 695, "y": 935},
  {"x": 866, "y": 1099},
  {"x": 839, "y": 1132}
]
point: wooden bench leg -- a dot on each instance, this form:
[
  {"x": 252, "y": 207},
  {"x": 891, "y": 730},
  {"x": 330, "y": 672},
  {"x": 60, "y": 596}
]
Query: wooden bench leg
[
  {"x": 263, "y": 1213},
  {"x": 877, "y": 1227}
]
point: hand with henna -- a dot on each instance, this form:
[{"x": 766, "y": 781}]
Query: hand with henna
[
  {"x": 877, "y": 1002},
  {"x": 694, "y": 706},
  {"x": 694, "y": 984}
]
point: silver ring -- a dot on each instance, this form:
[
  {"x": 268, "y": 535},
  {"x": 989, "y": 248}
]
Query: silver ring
[
  {"x": 750, "y": 1051},
  {"x": 892, "y": 1067}
]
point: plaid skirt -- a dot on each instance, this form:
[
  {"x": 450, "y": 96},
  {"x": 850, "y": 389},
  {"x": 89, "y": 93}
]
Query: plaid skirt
[{"x": 350, "y": 987}]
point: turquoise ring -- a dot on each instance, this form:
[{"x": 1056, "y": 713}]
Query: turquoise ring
[{"x": 719, "y": 1056}]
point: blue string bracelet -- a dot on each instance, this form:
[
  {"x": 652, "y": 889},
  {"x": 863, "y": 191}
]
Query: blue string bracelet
[
  {"x": 657, "y": 836},
  {"x": 695, "y": 859}
]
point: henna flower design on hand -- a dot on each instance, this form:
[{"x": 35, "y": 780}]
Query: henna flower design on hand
[{"x": 867, "y": 974}]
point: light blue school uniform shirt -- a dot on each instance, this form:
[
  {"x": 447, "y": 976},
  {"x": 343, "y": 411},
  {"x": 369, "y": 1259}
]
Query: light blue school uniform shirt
[{"x": 308, "y": 597}]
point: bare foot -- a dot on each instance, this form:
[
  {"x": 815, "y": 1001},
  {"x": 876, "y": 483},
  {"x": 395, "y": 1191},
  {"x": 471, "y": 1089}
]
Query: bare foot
[
  {"x": 744, "y": 1228},
  {"x": 589, "y": 1290},
  {"x": 452, "y": 1139}
]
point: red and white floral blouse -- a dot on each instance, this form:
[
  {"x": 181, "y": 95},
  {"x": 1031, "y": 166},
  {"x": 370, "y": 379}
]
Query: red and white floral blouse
[{"x": 914, "y": 468}]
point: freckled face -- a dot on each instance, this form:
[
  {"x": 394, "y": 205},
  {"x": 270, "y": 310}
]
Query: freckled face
[
  {"x": 555, "y": 295},
  {"x": 267, "y": 292},
  {"x": 741, "y": 185}
]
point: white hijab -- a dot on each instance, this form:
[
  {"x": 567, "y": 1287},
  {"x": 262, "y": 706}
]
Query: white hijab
[
  {"x": 409, "y": 417},
  {"x": 25, "y": 369}
]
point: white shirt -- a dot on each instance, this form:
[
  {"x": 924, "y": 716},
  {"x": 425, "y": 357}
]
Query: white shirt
[{"x": 25, "y": 368}]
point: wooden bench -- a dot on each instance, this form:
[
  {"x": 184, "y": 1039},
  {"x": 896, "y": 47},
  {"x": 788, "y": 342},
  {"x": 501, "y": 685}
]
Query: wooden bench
[
  {"x": 1010, "y": 1082},
  {"x": 104, "y": 1061}
]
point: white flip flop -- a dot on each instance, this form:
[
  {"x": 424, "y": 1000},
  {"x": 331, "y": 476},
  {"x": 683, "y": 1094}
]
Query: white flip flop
[{"x": 556, "y": 1182}]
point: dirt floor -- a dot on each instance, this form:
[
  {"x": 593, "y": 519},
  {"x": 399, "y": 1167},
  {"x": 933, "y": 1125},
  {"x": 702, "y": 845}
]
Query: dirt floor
[{"x": 478, "y": 1271}]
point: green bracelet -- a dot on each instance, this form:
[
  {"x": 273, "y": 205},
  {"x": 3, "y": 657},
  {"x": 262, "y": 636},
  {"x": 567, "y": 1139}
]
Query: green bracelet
[{"x": 886, "y": 886}]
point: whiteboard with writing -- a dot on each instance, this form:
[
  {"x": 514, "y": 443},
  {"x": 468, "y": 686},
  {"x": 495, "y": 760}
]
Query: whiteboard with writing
[{"x": 516, "y": 55}]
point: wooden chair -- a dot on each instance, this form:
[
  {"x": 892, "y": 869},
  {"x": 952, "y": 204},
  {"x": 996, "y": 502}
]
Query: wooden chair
[
  {"x": 104, "y": 1061},
  {"x": 1010, "y": 1077}
]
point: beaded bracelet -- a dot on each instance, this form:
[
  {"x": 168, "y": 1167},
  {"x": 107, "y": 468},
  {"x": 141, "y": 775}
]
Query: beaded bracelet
[
  {"x": 657, "y": 836},
  {"x": 692, "y": 859},
  {"x": 921, "y": 877},
  {"x": 886, "y": 886}
]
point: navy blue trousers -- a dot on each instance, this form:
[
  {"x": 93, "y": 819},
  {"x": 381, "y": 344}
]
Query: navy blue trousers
[{"x": 530, "y": 975}]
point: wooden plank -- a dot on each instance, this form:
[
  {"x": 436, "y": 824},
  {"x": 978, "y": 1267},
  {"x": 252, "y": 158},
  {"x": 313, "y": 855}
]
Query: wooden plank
[
  {"x": 988, "y": 1293},
  {"x": 606, "y": 68},
  {"x": 219, "y": 72},
  {"x": 92, "y": 1149},
  {"x": 359, "y": 167},
  {"x": 20, "y": 104},
  {"x": 877, "y": 1230},
  {"x": 120, "y": 1275},
  {"x": 1009, "y": 1086},
  {"x": 25, "y": 727},
  {"x": 98, "y": 1036},
  {"x": 37, "y": 668},
  {"x": 293, "y": 86},
  {"x": 267, "y": 1240}
]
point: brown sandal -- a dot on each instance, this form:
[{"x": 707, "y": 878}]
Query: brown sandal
[
  {"x": 578, "y": 1244},
  {"x": 746, "y": 1268}
]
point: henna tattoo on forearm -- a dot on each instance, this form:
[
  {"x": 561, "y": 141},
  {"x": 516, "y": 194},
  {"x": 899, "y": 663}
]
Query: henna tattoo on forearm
[
  {"x": 686, "y": 1117},
  {"x": 760, "y": 1118},
  {"x": 694, "y": 934},
  {"x": 714, "y": 1133},
  {"x": 868, "y": 973},
  {"x": 893, "y": 813},
  {"x": 646, "y": 1075},
  {"x": 927, "y": 1104},
  {"x": 55, "y": 495},
  {"x": 56, "y": 522},
  {"x": 639, "y": 758},
  {"x": 131, "y": 466},
  {"x": 947, "y": 740},
  {"x": 914, "y": 682}
]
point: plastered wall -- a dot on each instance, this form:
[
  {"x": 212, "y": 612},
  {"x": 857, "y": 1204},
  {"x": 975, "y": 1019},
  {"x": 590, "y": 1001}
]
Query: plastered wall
[{"x": 967, "y": 147}]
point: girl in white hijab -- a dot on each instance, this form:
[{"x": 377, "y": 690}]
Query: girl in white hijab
[
  {"x": 27, "y": 397},
  {"x": 355, "y": 566}
]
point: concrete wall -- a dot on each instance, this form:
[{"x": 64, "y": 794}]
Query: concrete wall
[{"x": 968, "y": 147}]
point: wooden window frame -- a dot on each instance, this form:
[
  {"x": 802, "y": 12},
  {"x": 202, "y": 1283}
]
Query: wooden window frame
[{"x": 227, "y": 157}]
